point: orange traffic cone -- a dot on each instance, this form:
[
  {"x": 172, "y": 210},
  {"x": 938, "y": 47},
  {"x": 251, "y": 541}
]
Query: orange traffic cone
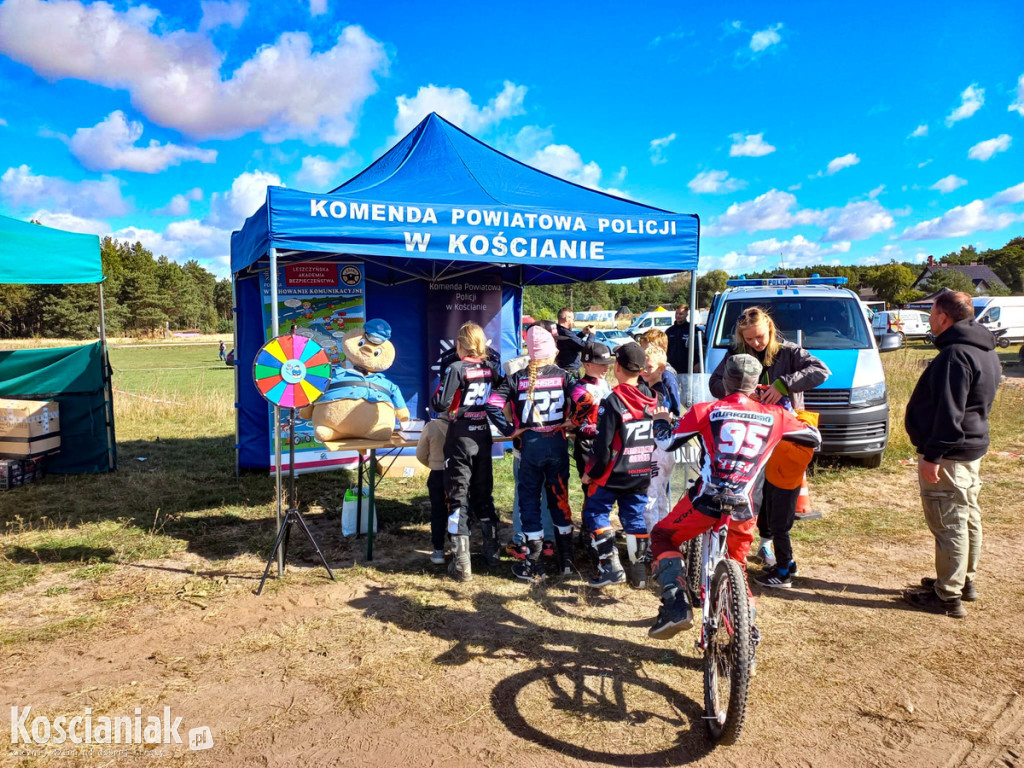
[{"x": 803, "y": 503}]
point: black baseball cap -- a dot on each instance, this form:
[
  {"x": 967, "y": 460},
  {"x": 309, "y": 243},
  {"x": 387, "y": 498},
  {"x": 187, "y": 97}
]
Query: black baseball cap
[
  {"x": 596, "y": 352},
  {"x": 630, "y": 356}
]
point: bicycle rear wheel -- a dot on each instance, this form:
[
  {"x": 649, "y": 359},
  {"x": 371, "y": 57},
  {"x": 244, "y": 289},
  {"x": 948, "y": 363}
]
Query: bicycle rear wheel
[
  {"x": 727, "y": 654},
  {"x": 694, "y": 564}
]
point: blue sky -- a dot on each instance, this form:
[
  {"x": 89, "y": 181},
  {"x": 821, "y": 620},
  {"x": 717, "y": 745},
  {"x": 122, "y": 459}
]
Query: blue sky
[{"x": 799, "y": 132}]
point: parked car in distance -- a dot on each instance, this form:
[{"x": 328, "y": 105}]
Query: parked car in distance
[
  {"x": 1002, "y": 313},
  {"x": 908, "y": 323},
  {"x": 649, "y": 320},
  {"x": 230, "y": 358},
  {"x": 612, "y": 338}
]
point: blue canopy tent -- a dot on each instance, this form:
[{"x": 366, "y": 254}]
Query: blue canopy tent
[{"x": 441, "y": 205}]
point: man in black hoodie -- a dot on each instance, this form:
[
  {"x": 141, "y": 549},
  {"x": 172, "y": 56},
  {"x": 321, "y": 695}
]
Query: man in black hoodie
[{"x": 947, "y": 421}]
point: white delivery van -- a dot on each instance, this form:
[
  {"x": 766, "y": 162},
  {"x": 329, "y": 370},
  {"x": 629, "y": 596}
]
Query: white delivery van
[
  {"x": 908, "y": 323},
  {"x": 830, "y": 323},
  {"x": 661, "y": 319},
  {"x": 1002, "y": 312}
]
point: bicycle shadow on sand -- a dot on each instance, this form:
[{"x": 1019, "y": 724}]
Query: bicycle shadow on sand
[{"x": 586, "y": 674}]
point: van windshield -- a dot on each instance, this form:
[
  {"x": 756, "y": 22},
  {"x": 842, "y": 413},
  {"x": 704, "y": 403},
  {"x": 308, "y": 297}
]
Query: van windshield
[{"x": 826, "y": 323}]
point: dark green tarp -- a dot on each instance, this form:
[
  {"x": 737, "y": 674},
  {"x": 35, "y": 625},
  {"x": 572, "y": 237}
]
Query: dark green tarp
[
  {"x": 73, "y": 376},
  {"x": 36, "y": 255}
]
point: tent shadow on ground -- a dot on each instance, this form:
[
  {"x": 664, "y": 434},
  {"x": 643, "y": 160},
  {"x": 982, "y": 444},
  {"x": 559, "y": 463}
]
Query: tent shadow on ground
[{"x": 492, "y": 630}]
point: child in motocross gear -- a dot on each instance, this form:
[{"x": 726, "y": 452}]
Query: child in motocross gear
[
  {"x": 665, "y": 385},
  {"x": 539, "y": 399},
  {"x": 619, "y": 471},
  {"x": 738, "y": 435},
  {"x": 590, "y": 390},
  {"x": 468, "y": 480},
  {"x": 517, "y": 544}
]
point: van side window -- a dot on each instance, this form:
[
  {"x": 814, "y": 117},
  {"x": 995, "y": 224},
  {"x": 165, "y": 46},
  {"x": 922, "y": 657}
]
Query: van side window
[{"x": 993, "y": 315}]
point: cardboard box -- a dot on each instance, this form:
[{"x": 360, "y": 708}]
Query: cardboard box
[
  {"x": 403, "y": 466},
  {"x": 29, "y": 428}
]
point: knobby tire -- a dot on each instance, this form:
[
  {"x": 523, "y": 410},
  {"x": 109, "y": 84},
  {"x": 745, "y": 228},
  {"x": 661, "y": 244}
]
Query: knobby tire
[{"x": 727, "y": 656}]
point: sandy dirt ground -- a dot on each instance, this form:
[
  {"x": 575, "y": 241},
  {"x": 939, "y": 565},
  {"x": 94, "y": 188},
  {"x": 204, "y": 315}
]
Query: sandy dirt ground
[{"x": 395, "y": 665}]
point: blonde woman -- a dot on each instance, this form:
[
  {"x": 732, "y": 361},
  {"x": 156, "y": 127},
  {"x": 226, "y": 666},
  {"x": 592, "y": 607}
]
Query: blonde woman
[
  {"x": 540, "y": 399},
  {"x": 468, "y": 479},
  {"x": 788, "y": 371}
]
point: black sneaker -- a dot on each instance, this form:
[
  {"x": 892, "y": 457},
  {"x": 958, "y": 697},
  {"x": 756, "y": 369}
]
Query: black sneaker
[
  {"x": 672, "y": 619},
  {"x": 929, "y": 601},
  {"x": 529, "y": 570},
  {"x": 969, "y": 594},
  {"x": 774, "y": 580}
]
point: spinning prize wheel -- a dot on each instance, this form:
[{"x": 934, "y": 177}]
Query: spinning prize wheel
[{"x": 292, "y": 371}]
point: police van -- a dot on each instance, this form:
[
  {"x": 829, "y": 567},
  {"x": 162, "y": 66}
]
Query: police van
[{"x": 829, "y": 322}]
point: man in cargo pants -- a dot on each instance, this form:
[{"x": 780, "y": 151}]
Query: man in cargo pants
[{"x": 947, "y": 421}]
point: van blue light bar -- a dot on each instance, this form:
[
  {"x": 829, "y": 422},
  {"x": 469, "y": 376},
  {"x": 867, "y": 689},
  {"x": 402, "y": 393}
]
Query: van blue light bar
[{"x": 748, "y": 283}]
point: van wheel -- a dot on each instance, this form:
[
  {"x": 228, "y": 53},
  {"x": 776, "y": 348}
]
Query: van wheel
[
  {"x": 874, "y": 461},
  {"x": 1003, "y": 342}
]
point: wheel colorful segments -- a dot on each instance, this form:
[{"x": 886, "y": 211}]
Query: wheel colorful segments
[{"x": 292, "y": 371}]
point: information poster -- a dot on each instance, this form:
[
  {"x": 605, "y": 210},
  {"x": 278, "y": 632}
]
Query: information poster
[
  {"x": 475, "y": 299},
  {"x": 323, "y": 301}
]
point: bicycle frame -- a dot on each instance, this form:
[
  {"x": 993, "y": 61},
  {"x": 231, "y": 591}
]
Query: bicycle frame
[{"x": 713, "y": 550}]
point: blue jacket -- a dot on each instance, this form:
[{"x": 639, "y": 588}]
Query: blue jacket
[{"x": 350, "y": 384}]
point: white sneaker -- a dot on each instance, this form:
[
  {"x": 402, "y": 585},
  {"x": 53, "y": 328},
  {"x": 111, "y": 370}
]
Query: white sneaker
[
  {"x": 766, "y": 553},
  {"x": 437, "y": 557}
]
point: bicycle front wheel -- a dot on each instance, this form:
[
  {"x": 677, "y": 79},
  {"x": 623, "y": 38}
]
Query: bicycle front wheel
[{"x": 727, "y": 654}]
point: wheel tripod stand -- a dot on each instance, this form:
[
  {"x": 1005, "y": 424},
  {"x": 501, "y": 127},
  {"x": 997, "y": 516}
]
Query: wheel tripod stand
[{"x": 292, "y": 516}]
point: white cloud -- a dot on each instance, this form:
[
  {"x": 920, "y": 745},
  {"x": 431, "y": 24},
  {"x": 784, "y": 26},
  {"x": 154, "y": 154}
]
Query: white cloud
[
  {"x": 884, "y": 255},
  {"x": 797, "y": 252},
  {"x": 765, "y": 38},
  {"x": 89, "y": 199},
  {"x": 768, "y": 211},
  {"x": 778, "y": 210},
  {"x": 947, "y": 184},
  {"x": 218, "y": 13},
  {"x": 751, "y": 145},
  {"x": 921, "y": 130},
  {"x": 1018, "y": 105},
  {"x": 110, "y": 146},
  {"x": 856, "y": 221},
  {"x": 317, "y": 7},
  {"x": 456, "y": 106},
  {"x": 837, "y": 164},
  {"x": 70, "y": 223},
  {"x": 180, "y": 204},
  {"x": 962, "y": 221},
  {"x": 715, "y": 183},
  {"x": 971, "y": 101},
  {"x": 1009, "y": 196},
  {"x": 924, "y": 163},
  {"x": 320, "y": 173},
  {"x": 658, "y": 146},
  {"x": 184, "y": 240},
  {"x": 984, "y": 150},
  {"x": 565, "y": 162},
  {"x": 285, "y": 90},
  {"x": 3, "y": 122},
  {"x": 876, "y": 191},
  {"x": 248, "y": 192}
]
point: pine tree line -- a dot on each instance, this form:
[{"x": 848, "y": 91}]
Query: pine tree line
[
  {"x": 142, "y": 295},
  {"x": 890, "y": 282}
]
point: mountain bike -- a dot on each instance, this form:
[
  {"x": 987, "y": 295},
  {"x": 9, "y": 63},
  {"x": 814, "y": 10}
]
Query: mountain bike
[{"x": 728, "y": 636}]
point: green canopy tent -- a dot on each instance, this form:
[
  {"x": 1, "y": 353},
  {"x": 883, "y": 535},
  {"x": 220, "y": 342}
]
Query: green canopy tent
[{"x": 78, "y": 378}]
